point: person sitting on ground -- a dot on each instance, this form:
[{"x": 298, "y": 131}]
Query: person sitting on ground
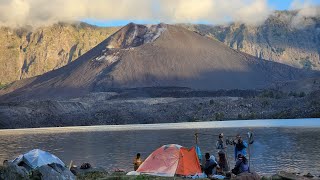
[
  {"x": 239, "y": 147},
  {"x": 209, "y": 165},
  {"x": 241, "y": 165},
  {"x": 137, "y": 161},
  {"x": 222, "y": 162}
]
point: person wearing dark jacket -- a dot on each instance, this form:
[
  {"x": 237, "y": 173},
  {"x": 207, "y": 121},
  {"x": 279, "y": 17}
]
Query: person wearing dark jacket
[
  {"x": 241, "y": 165},
  {"x": 222, "y": 162},
  {"x": 209, "y": 165}
]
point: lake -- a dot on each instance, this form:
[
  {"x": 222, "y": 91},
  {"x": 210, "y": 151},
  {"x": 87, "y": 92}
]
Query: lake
[{"x": 290, "y": 145}]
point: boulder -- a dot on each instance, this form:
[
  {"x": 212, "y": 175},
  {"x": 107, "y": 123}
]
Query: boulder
[
  {"x": 290, "y": 176},
  {"x": 82, "y": 172},
  {"x": 309, "y": 175},
  {"x": 13, "y": 171},
  {"x": 276, "y": 177},
  {"x": 53, "y": 172}
]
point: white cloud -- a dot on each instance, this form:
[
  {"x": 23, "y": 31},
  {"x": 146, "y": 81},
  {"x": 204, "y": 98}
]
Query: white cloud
[
  {"x": 305, "y": 8},
  {"x": 215, "y": 11},
  {"x": 45, "y": 12}
]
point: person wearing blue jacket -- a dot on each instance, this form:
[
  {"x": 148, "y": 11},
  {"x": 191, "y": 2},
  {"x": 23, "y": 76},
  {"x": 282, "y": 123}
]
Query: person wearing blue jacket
[{"x": 240, "y": 147}]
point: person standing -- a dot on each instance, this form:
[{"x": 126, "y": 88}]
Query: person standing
[
  {"x": 240, "y": 147},
  {"x": 222, "y": 154},
  {"x": 137, "y": 161},
  {"x": 220, "y": 143}
]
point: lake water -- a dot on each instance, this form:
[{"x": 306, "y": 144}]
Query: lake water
[{"x": 290, "y": 145}]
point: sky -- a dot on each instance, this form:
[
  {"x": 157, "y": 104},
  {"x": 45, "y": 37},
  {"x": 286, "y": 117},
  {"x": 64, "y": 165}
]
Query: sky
[
  {"x": 280, "y": 4},
  {"x": 20, "y": 13}
]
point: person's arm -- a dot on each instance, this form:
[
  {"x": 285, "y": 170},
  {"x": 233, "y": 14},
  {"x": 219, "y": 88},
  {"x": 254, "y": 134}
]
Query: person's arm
[
  {"x": 244, "y": 144},
  {"x": 238, "y": 164},
  {"x": 235, "y": 153},
  {"x": 214, "y": 164}
]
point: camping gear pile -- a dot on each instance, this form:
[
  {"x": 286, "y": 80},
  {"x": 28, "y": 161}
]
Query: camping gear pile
[{"x": 37, "y": 164}]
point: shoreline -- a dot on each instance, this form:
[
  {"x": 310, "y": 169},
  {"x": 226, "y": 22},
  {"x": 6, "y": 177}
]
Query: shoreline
[
  {"x": 260, "y": 123},
  {"x": 161, "y": 106},
  {"x": 100, "y": 173}
]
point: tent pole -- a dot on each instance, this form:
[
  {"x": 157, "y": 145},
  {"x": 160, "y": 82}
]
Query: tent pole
[
  {"x": 249, "y": 158},
  {"x": 249, "y": 139},
  {"x": 196, "y": 138},
  {"x": 71, "y": 164}
]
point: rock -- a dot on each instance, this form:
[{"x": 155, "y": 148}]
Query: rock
[
  {"x": 248, "y": 176},
  {"x": 309, "y": 175},
  {"x": 275, "y": 39},
  {"x": 276, "y": 177},
  {"x": 13, "y": 171},
  {"x": 85, "y": 166},
  {"x": 82, "y": 172},
  {"x": 290, "y": 176},
  {"x": 53, "y": 172}
]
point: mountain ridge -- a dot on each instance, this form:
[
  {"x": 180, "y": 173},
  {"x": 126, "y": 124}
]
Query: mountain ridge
[
  {"x": 27, "y": 52},
  {"x": 159, "y": 74},
  {"x": 285, "y": 37},
  {"x": 156, "y": 56}
]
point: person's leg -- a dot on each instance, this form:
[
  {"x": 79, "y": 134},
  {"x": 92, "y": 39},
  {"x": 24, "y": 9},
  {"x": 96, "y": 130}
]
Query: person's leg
[{"x": 235, "y": 171}]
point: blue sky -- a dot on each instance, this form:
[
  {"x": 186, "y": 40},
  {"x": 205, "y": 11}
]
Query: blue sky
[
  {"x": 274, "y": 4},
  {"x": 280, "y": 4}
]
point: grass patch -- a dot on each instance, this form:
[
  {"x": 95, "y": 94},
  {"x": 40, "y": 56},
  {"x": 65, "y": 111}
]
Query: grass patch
[
  {"x": 3, "y": 86},
  {"x": 121, "y": 176}
]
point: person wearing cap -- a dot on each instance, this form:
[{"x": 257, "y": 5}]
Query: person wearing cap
[{"x": 240, "y": 147}]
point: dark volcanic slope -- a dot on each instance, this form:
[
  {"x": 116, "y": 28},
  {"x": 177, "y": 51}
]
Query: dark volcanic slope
[{"x": 159, "y": 55}]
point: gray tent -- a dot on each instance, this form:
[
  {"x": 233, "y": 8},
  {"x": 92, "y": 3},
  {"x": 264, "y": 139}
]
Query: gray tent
[{"x": 37, "y": 158}]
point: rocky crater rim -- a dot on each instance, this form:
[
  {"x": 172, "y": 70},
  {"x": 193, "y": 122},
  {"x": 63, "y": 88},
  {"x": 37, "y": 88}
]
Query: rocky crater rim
[
  {"x": 129, "y": 37},
  {"x": 134, "y": 35}
]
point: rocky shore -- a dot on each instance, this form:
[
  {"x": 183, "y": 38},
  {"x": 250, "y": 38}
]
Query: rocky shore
[
  {"x": 99, "y": 173},
  {"x": 167, "y": 105}
]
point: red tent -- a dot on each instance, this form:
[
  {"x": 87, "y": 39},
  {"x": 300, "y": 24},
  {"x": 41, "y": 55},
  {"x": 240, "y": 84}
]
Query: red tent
[{"x": 170, "y": 160}]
